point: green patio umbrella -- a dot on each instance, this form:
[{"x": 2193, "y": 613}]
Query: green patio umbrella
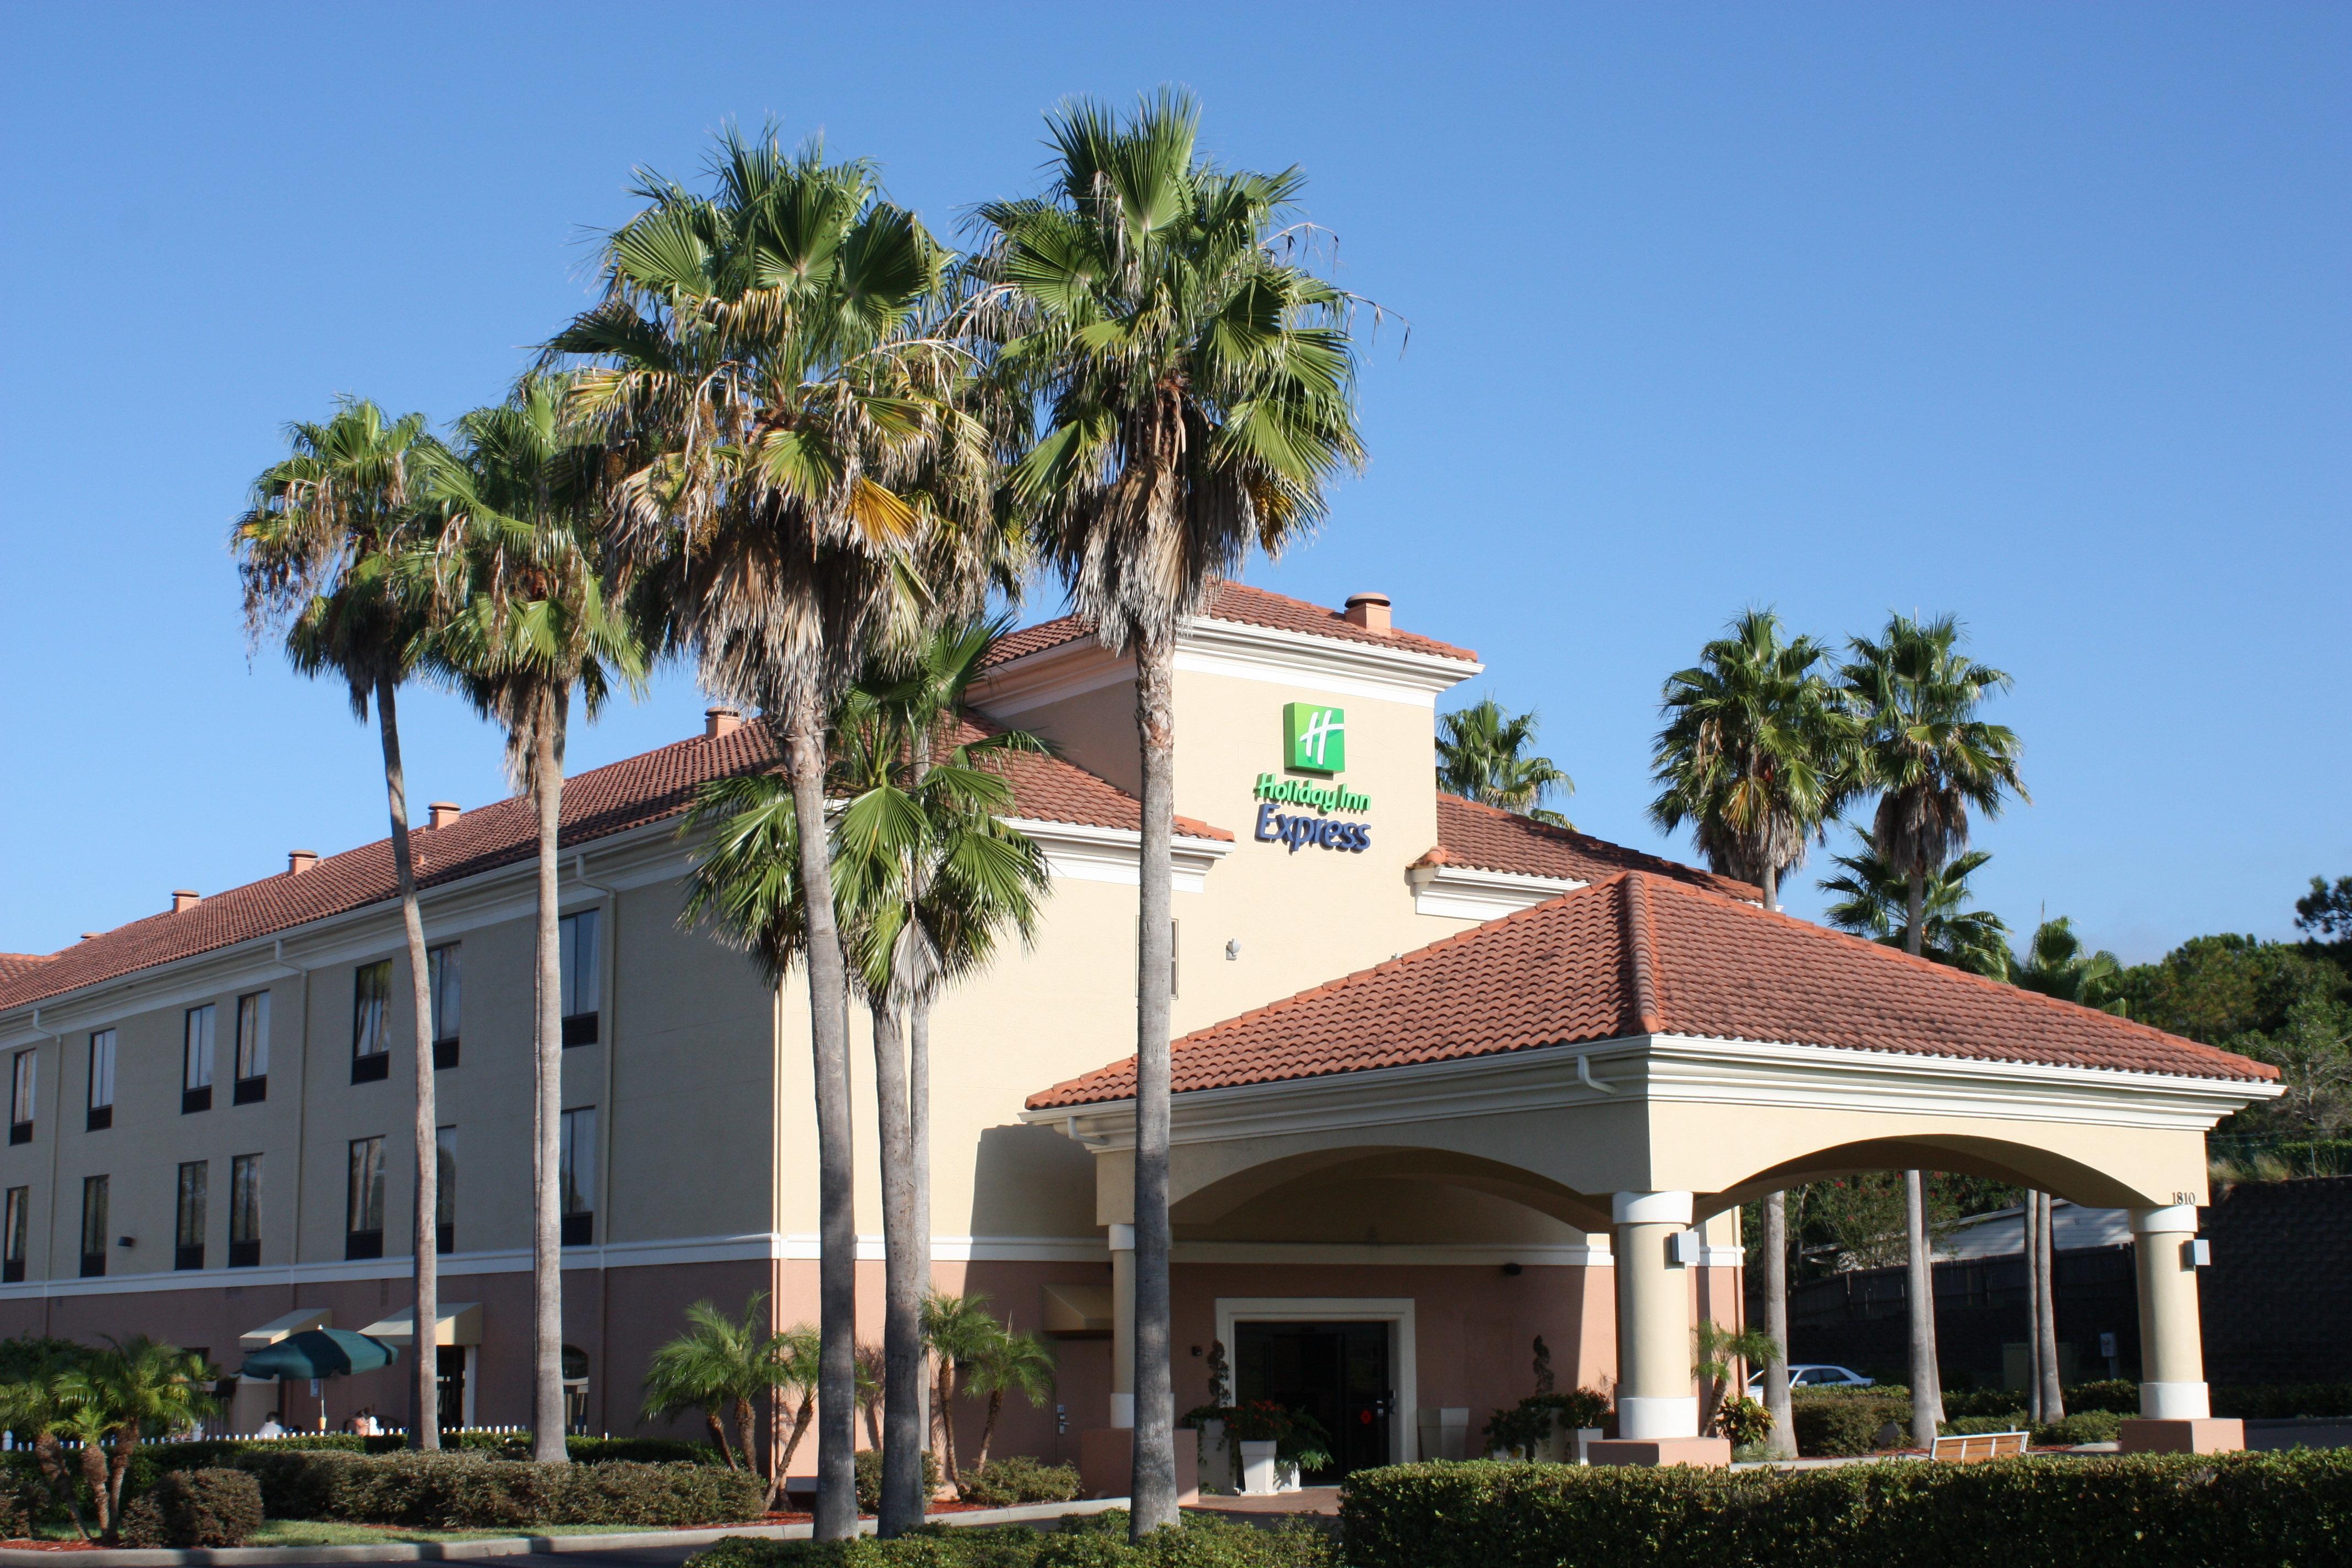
[{"x": 315, "y": 1355}]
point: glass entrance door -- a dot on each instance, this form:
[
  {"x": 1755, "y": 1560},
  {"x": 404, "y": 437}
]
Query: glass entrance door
[{"x": 1337, "y": 1372}]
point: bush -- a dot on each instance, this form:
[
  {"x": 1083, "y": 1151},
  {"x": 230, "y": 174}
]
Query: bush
[
  {"x": 869, "y": 1478},
  {"x": 2082, "y": 1426},
  {"x": 1018, "y": 1478},
  {"x": 473, "y": 1492},
  {"x": 194, "y": 1508},
  {"x": 1535, "y": 1418},
  {"x": 1745, "y": 1422},
  {"x": 2282, "y": 1401},
  {"x": 1098, "y": 1541},
  {"x": 2234, "y": 1511},
  {"x": 1844, "y": 1423}
]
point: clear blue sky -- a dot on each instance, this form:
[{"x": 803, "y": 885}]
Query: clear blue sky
[{"x": 2037, "y": 314}]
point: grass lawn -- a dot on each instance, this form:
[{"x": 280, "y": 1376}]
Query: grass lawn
[{"x": 326, "y": 1532}]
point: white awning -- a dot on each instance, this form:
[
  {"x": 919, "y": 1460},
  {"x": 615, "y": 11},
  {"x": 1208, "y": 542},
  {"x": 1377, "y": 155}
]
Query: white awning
[
  {"x": 456, "y": 1323},
  {"x": 293, "y": 1322}
]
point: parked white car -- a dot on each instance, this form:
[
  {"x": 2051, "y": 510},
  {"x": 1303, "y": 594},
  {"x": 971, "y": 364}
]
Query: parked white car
[{"x": 1812, "y": 1377}]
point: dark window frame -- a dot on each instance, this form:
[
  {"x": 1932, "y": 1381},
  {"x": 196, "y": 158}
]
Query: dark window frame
[
  {"x": 187, "y": 1254},
  {"x": 23, "y": 1093},
  {"x": 580, "y": 945},
  {"x": 93, "y": 1262},
  {"x": 98, "y": 1114},
  {"x": 445, "y": 1048},
  {"x": 16, "y": 1229}
]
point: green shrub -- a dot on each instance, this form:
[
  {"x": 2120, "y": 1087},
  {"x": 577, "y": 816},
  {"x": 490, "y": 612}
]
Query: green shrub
[
  {"x": 1535, "y": 1418},
  {"x": 475, "y": 1491},
  {"x": 1017, "y": 1479},
  {"x": 1098, "y": 1541},
  {"x": 869, "y": 1478},
  {"x": 1970, "y": 1426},
  {"x": 2082, "y": 1426},
  {"x": 194, "y": 1508},
  {"x": 2235, "y": 1511},
  {"x": 1844, "y": 1423},
  {"x": 2282, "y": 1401},
  {"x": 1744, "y": 1421}
]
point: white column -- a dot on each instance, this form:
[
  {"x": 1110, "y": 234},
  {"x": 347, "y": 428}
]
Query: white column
[
  {"x": 1122, "y": 1325},
  {"x": 2172, "y": 1338},
  {"x": 1655, "y": 1395}
]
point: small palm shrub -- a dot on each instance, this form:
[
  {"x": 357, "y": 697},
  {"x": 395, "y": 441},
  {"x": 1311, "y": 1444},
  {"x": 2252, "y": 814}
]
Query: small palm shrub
[{"x": 1018, "y": 1478}]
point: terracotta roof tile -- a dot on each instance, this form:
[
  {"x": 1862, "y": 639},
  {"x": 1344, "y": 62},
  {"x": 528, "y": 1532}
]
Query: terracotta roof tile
[
  {"x": 597, "y": 804},
  {"x": 1490, "y": 839},
  {"x": 1243, "y": 606},
  {"x": 1647, "y": 954}
]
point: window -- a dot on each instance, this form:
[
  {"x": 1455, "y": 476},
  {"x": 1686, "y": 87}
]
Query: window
[
  {"x": 363, "y": 1210},
  {"x": 21, "y": 1078},
  {"x": 576, "y": 1176},
  {"x": 12, "y": 1231},
  {"x": 196, "y": 1060},
  {"x": 576, "y": 956},
  {"x": 245, "y": 1212},
  {"x": 93, "y": 1226},
  {"x": 188, "y": 1227},
  {"x": 101, "y": 1081},
  {"x": 371, "y": 1026},
  {"x": 444, "y": 1190},
  {"x": 252, "y": 1049},
  {"x": 442, "y": 974}
]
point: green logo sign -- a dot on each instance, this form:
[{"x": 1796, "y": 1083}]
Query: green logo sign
[{"x": 1315, "y": 738}]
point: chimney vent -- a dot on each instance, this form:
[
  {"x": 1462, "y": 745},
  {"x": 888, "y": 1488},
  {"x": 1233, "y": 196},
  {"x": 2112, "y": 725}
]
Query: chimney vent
[
  {"x": 184, "y": 899},
  {"x": 443, "y": 813},
  {"x": 91, "y": 935},
  {"x": 717, "y": 721},
  {"x": 1370, "y": 611},
  {"x": 301, "y": 860}
]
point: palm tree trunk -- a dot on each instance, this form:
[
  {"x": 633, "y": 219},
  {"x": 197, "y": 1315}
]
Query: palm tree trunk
[
  {"x": 718, "y": 1437},
  {"x": 1926, "y": 1381},
  {"x": 948, "y": 1381},
  {"x": 2054, "y": 1393},
  {"x": 988, "y": 1428},
  {"x": 547, "y": 1110},
  {"x": 837, "y": 1420},
  {"x": 902, "y": 1497},
  {"x": 424, "y": 1375},
  {"x": 918, "y": 1173},
  {"x": 1771, "y": 885},
  {"x": 93, "y": 1471},
  {"x": 792, "y": 1444},
  {"x": 2033, "y": 1211},
  {"x": 1915, "y": 917},
  {"x": 1153, "y": 1488},
  {"x": 1782, "y": 1442}
]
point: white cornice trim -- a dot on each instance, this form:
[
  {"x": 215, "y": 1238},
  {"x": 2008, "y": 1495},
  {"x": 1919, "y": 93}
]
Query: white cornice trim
[
  {"x": 1050, "y": 674},
  {"x": 1080, "y": 853},
  {"x": 1241, "y": 652},
  {"x": 1470, "y": 893},
  {"x": 1554, "y": 1255}
]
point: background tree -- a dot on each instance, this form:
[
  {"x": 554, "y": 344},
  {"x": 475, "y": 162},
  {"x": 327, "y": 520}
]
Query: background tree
[
  {"x": 1197, "y": 389},
  {"x": 1718, "y": 1354},
  {"x": 1873, "y": 900},
  {"x": 319, "y": 549},
  {"x": 2055, "y": 964},
  {"x": 1481, "y": 755},
  {"x": 763, "y": 360},
  {"x": 526, "y": 622},
  {"x": 722, "y": 1365},
  {"x": 1008, "y": 1362},
  {"x": 48, "y": 1400},
  {"x": 129, "y": 1389},
  {"x": 958, "y": 1329}
]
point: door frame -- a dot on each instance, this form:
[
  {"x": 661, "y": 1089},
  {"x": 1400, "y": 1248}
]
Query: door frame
[{"x": 1394, "y": 1311}]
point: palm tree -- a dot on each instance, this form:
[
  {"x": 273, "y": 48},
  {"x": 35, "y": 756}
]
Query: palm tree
[
  {"x": 1008, "y": 1362},
  {"x": 526, "y": 621},
  {"x": 723, "y": 1364},
  {"x": 317, "y": 552},
  {"x": 1717, "y": 1352},
  {"x": 2055, "y": 964},
  {"x": 50, "y": 1402},
  {"x": 1932, "y": 759},
  {"x": 786, "y": 422},
  {"x": 1197, "y": 390},
  {"x": 1481, "y": 757},
  {"x": 958, "y": 1329},
  {"x": 1756, "y": 753},
  {"x": 125, "y": 1391},
  {"x": 1873, "y": 900}
]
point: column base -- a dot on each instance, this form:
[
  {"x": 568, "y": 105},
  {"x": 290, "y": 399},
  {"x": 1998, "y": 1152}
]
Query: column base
[
  {"x": 1107, "y": 1463},
  {"x": 1709, "y": 1453},
  {"x": 2209, "y": 1434},
  {"x": 1657, "y": 1416}
]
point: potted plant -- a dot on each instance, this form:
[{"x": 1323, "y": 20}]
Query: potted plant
[{"x": 1276, "y": 1445}]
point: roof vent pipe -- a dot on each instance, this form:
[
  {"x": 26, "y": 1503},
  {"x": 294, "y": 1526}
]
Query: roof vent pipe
[
  {"x": 184, "y": 899},
  {"x": 717, "y": 721},
  {"x": 301, "y": 860},
  {"x": 1370, "y": 611},
  {"x": 442, "y": 813}
]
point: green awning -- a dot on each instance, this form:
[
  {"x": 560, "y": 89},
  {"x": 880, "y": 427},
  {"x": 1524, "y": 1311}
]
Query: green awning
[{"x": 319, "y": 1352}]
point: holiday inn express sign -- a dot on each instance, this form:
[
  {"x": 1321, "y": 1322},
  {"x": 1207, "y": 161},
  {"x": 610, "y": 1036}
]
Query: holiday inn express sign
[{"x": 1314, "y": 741}]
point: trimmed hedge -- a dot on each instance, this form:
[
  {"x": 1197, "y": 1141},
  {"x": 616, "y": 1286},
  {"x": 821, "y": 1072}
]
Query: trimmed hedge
[
  {"x": 1018, "y": 1478},
  {"x": 1097, "y": 1541},
  {"x": 194, "y": 1508},
  {"x": 472, "y": 1492},
  {"x": 1846, "y": 1423},
  {"x": 2281, "y": 1401},
  {"x": 2237, "y": 1511}
]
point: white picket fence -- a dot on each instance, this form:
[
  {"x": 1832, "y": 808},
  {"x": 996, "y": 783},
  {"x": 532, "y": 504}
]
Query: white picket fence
[{"x": 9, "y": 1439}]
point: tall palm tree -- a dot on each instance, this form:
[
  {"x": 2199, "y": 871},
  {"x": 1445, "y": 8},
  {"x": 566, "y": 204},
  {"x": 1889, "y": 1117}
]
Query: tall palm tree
[
  {"x": 1873, "y": 900},
  {"x": 1008, "y": 1362},
  {"x": 317, "y": 550},
  {"x": 763, "y": 361},
  {"x": 1197, "y": 391},
  {"x": 1932, "y": 759},
  {"x": 1756, "y": 753},
  {"x": 723, "y": 1364},
  {"x": 1482, "y": 756},
  {"x": 518, "y": 566}
]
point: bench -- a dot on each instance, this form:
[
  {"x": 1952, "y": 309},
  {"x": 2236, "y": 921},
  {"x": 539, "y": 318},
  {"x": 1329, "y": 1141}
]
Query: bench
[{"x": 1975, "y": 1446}]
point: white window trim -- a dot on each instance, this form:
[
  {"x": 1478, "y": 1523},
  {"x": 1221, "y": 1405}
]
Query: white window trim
[{"x": 1403, "y": 1436}]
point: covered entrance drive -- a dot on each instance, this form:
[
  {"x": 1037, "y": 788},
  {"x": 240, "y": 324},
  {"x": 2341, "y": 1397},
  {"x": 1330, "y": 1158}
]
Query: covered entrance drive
[{"x": 1620, "y": 1067}]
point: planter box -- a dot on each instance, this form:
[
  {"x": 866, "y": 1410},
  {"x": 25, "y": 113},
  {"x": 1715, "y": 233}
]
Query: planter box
[
  {"x": 1261, "y": 1472},
  {"x": 1217, "y": 1460}
]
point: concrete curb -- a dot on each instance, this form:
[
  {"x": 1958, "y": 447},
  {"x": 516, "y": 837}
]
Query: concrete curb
[{"x": 504, "y": 1545}]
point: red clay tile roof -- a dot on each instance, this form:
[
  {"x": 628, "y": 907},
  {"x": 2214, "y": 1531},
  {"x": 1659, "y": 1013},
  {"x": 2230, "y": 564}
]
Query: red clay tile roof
[
  {"x": 1469, "y": 834},
  {"x": 1641, "y": 954},
  {"x": 1246, "y": 606},
  {"x": 596, "y": 804}
]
